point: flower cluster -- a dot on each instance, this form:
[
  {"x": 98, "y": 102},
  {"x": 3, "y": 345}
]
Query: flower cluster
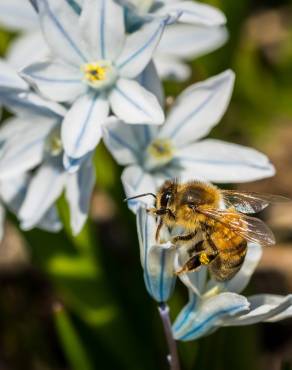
[{"x": 90, "y": 70}]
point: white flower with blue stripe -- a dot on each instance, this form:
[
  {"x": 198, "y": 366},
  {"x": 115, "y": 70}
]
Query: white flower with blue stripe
[
  {"x": 94, "y": 67},
  {"x": 31, "y": 147},
  {"x": 199, "y": 30},
  {"x": 213, "y": 305},
  {"x": 152, "y": 155}
]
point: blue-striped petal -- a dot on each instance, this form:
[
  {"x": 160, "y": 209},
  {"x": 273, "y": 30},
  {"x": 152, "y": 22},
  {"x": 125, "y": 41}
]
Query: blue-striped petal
[
  {"x": 60, "y": 27},
  {"x": 79, "y": 189},
  {"x": 44, "y": 189},
  {"x": 202, "y": 316},
  {"x": 157, "y": 260},
  {"x": 139, "y": 48},
  {"x": 133, "y": 104},
  {"x": 264, "y": 307},
  {"x": 24, "y": 147},
  {"x": 198, "y": 109},
  {"x": 81, "y": 129},
  {"x": 221, "y": 162},
  {"x": 194, "y": 13},
  {"x": 103, "y": 29},
  {"x": 55, "y": 80}
]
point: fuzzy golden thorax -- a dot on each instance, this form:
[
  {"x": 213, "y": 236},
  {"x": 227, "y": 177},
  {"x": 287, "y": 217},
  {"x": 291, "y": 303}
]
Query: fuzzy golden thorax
[{"x": 176, "y": 203}]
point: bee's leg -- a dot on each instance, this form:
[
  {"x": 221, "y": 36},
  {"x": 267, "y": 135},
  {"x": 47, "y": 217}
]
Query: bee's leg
[
  {"x": 200, "y": 258},
  {"x": 181, "y": 240},
  {"x": 158, "y": 230},
  {"x": 151, "y": 211}
]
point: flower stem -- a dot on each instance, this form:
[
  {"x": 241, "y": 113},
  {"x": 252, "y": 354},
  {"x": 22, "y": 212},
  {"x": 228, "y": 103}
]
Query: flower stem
[{"x": 173, "y": 358}]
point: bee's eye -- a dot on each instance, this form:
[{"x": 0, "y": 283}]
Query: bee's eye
[{"x": 165, "y": 199}]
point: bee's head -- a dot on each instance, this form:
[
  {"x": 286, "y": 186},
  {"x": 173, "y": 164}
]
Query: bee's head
[{"x": 166, "y": 199}]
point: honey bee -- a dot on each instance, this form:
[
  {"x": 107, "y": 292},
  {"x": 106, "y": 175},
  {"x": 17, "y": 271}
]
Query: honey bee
[{"x": 219, "y": 216}]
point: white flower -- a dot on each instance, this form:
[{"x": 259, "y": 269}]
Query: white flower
[
  {"x": 211, "y": 304},
  {"x": 95, "y": 69},
  {"x": 173, "y": 150},
  {"x": 32, "y": 141},
  {"x": 199, "y": 30}
]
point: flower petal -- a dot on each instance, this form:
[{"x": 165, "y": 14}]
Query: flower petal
[
  {"x": 50, "y": 221},
  {"x": 200, "y": 317},
  {"x": 78, "y": 194},
  {"x": 59, "y": 23},
  {"x": 44, "y": 189},
  {"x": 13, "y": 191},
  {"x": 157, "y": 261},
  {"x": 263, "y": 307},
  {"x": 17, "y": 15},
  {"x": 187, "y": 42},
  {"x": 29, "y": 102},
  {"x": 150, "y": 80},
  {"x": 139, "y": 48},
  {"x": 218, "y": 161},
  {"x": 81, "y": 129},
  {"x": 122, "y": 141},
  {"x": 198, "y": 109},
  {"x": 133, "y": 104},
  {"x": 136, "y": 181},
  {"x": 9, "y": 79},
  {"x": 24, "y": 148},
  {"x": 170, "y": 68},
  {"x": 27, "y": 49},
  {"x": 195, "y": 13},
  {"x": 103, "y": 29},
  {"x": 55, "y": 80}
]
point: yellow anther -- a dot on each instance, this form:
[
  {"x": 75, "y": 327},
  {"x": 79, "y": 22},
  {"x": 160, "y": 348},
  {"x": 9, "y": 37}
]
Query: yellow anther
[
  {"x": 204, "y": 259},
  {"x": 56, "y": 145},
  {"x": 93, "y": 72},
  {"x": 161, "y": 149}
]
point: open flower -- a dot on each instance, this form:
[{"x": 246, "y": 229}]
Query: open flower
[
  {"x": 154, "y": 154},
  {"x": 211, "y": 304},
  {"x": 31, "y": 147},
  {"x": 95, "y": 67},
  {"x": 199, "y": 30}
]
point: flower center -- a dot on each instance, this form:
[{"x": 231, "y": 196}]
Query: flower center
[
  {"x": 54, "y": 143},
  {"x": 99, "y": 74},
  {"x": 160, "y": 152}
]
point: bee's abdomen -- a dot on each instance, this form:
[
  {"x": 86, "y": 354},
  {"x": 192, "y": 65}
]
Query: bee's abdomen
[{"x": 229, "y": 259}]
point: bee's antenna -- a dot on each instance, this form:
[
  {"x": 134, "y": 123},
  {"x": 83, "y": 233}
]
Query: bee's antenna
[{"x": 140, "y": 196}]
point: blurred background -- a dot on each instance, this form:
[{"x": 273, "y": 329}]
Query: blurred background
[{"x": 80, "y": 304}]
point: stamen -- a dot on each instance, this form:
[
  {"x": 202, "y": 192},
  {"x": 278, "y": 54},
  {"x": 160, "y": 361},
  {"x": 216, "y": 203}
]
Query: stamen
[
  {"x": 94, "y": 72},
  {"x": 161, "y": 149},
  {"x": 100, "y": 74}
]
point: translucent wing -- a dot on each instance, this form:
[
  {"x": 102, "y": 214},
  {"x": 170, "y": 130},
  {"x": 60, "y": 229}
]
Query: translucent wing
[
  {"x": 250, "y": 228},
  {"x": 249, "y": 202}
]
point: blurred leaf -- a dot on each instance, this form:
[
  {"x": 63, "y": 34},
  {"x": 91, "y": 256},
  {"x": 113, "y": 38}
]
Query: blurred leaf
[{"x": 71, "y": 341}]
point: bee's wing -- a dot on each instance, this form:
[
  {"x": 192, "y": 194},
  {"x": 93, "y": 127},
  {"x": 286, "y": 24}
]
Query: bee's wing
[
  {"x": 250, "y": 228},
  {"x": 249, "y": 202}
]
